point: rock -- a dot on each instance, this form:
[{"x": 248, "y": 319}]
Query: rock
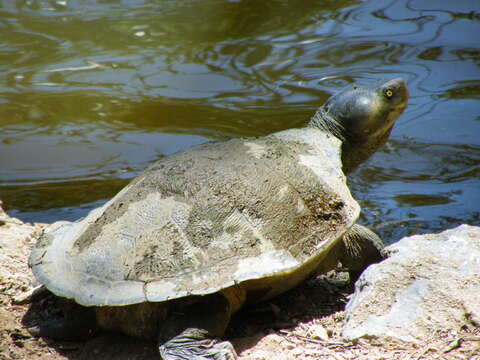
[
  {"x": 429, "y": 283},
  {"x": 16, "y": 239}
]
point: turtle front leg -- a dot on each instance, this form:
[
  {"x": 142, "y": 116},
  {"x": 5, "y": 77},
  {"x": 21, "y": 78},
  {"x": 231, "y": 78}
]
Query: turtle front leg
[
  {"x": 361, "y": 247},
  {"x": 192, "y": 332}
]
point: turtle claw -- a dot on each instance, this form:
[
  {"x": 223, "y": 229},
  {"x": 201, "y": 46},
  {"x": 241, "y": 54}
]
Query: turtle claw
[
  {"x": 60, "y": 330},
  {"x": 35, "y": 331},
  {"x": 55, "y": 329},
  {"x": 196, "y": 344}
]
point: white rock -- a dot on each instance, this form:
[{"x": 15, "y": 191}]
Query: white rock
[{"x": 429, "y": 283}]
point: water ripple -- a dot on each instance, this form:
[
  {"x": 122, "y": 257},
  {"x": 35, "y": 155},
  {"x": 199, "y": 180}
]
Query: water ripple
[{"x": 91, "y": 89}]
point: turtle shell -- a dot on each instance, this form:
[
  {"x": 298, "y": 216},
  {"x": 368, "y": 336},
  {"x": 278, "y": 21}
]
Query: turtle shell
[{"x": 205, "y": 219}]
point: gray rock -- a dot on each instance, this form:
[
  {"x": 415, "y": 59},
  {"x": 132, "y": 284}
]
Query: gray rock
[
  {"x": 429, "y": 283},
  {"x": 16, "y": 239}
]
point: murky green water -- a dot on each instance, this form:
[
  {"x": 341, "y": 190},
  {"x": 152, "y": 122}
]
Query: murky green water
[{"x": 92, "y": 92}]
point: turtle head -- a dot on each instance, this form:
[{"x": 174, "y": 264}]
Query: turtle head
[{"x": 362, "y": 117}]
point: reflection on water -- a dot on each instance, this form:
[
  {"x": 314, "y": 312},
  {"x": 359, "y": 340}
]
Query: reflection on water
[
  {"x": 91, "y": 92},
  {"x": 414, "y": 186}
]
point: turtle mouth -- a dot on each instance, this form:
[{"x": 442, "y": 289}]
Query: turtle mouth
[
  {"x": 398, "y": 109},
  {"x": 404, "y": 95},
  {"x": 394, "y": 114}
]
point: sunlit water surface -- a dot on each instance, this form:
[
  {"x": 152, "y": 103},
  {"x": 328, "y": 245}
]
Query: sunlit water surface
[{"x": 92, "y": 92}]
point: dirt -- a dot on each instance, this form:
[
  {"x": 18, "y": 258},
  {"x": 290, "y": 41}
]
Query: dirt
[{"x": 302, "y": 324}]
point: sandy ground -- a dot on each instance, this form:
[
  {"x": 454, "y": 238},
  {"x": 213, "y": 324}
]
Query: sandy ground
[{"x": 302, "y": 324}]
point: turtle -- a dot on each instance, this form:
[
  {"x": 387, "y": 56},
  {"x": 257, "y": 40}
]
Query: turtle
[{"x": 206, "y": 230}]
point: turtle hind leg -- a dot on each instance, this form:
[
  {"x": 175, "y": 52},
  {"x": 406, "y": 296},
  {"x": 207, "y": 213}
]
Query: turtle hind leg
[
  {"x": 78, "y": 323},
  {"x": 197, "y": 344},
  {"x": 361, "y": 248},
  {"x": 192, "y": 332}
]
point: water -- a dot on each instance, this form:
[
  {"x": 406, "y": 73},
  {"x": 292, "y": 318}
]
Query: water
[{"x": 92, "y": 92}]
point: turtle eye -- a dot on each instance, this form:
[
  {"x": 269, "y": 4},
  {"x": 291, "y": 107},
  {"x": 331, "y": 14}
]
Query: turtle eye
[{"x": 388, "y": 93}]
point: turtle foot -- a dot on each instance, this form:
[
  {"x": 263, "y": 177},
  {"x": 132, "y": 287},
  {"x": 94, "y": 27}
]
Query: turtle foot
[
  {"x": 196, "y": 344},
  {"x": 59, "y": 330}
]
